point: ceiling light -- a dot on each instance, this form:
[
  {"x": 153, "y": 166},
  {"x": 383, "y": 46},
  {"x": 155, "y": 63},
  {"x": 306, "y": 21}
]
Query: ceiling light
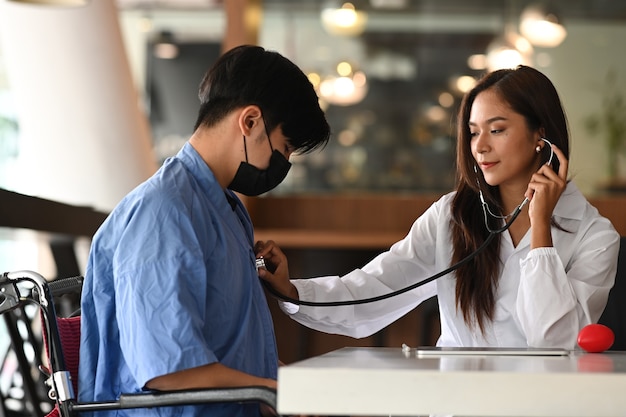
[
  {"x": 436, "y": 114},
  {"x": 145, "y": 24},
  {"x": 509, "y": 51},
  {"x": 164, "y": 46},
  {"x": 445, "y": 99},
  {"x": 477, "y": 61},
  {"x": 464, "y": 83},
  {"x": 345, "y": 88},
  {"x": 344, "y": 21},
  {"x": 314, "y": 78},
  {"x": 542, "y": 27}
]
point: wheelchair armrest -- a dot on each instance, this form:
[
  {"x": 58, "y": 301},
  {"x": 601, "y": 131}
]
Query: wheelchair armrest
[
  {"x": 196, "y": 396},
  {"x": 199, "y": 396}
]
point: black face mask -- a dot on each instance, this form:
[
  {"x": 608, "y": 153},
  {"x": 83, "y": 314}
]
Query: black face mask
[{"x": 252, "y": 181}]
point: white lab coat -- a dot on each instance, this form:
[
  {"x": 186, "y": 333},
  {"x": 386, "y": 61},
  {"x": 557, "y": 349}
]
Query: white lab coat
[{"x": 544, "y": 297}]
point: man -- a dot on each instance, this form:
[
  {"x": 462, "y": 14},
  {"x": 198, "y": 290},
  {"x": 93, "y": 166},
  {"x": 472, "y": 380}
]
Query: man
[{"x": 171, "y": 298}]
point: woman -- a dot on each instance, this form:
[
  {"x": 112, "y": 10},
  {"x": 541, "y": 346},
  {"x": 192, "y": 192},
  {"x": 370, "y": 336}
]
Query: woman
[{"x": 536, "y": 284}]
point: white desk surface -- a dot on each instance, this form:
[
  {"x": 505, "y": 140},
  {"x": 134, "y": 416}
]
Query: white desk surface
[{"x": 389, "y": 381}]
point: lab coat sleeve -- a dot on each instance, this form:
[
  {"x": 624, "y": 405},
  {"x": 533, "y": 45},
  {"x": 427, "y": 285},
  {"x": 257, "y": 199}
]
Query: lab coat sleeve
[
  {"x": 408, "y": 261},
  {"x": 555, "y": 300}
]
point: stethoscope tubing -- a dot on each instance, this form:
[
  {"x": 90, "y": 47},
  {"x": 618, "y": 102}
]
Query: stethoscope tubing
[
  {"x": 452, "y": 268},
  {"x": 492, "y": 234}
]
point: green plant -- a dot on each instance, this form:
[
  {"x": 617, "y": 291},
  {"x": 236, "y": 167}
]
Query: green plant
[
  {"x": 610, "y": 121},
  {"x": 8, "y": 137},
  {"x": 7, "y": 124}
]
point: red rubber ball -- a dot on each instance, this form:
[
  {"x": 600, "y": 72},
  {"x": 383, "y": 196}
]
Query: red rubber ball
[{"x": 595, "y": 338}]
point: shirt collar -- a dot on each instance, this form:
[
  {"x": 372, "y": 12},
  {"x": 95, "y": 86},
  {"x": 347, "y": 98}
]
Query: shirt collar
[
  {"x": 231, "y": 200},
  {"x": 198, "y": 168},
  {"x": 571, "y": 204}
]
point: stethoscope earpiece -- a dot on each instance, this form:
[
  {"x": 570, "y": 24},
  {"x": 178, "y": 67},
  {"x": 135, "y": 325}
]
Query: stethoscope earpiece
[{"x": 551, "y": 151}]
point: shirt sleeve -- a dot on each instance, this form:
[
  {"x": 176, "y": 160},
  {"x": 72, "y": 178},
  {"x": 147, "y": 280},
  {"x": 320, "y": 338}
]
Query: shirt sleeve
[
  {"x": 160, "y": 290},
  {"x": 555, "y": 300},
  {"x": 407, "y": 262}
]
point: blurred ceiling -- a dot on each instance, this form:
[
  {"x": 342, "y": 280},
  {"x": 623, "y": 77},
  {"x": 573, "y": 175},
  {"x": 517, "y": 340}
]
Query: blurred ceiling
[
  {"x": 167, "y": 4},
  {"x": 439, "y": 34},
  {"x": 413, "y": 52},
  {"x": 609, "y": 10}
]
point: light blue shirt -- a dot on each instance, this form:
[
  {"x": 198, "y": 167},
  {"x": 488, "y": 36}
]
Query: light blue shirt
[{"x": 171, "y": 284}]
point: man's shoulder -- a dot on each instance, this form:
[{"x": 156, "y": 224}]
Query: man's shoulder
[{"x": 170, "y": 186}]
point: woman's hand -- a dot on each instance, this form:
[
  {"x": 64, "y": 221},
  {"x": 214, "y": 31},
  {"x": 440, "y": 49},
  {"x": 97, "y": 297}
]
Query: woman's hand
[
  {"x": 277, "y": 272},
  {"x": 544, "y": 190}
]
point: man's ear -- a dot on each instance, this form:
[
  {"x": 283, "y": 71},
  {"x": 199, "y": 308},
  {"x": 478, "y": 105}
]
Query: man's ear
[{"x": 249, "y": 118}]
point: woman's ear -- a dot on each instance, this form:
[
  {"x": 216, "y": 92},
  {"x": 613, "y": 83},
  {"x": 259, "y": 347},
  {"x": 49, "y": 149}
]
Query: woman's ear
[
  {"x": 542, "y": 132},
  {"x": 537, "y": 135}
]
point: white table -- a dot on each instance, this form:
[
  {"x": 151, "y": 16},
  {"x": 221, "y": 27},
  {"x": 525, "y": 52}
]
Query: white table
[{"x": 390, "y": 381}]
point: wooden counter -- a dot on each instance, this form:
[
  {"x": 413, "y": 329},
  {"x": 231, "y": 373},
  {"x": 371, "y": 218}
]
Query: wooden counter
[
  {"x": 363, "y": 221},
  {"x": 613, "y": 207},
  {"x": 329, "y": 239},
  {"x": 336, "y": 221}
]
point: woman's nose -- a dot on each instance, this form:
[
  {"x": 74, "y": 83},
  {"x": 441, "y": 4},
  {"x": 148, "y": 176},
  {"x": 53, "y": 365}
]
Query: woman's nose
[{"x": 480, "y": 143}]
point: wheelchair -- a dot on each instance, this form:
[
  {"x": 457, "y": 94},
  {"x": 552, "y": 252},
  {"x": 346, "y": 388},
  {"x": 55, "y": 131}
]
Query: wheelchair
[{"x": 61, "y": 337}]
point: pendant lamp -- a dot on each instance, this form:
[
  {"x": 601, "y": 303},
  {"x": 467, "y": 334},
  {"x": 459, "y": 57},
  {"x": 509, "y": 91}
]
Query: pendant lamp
[{"x": 542, "y": 26}]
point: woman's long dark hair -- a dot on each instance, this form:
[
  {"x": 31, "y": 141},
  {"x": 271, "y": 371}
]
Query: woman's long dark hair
[{"x": 531, "y": 94}]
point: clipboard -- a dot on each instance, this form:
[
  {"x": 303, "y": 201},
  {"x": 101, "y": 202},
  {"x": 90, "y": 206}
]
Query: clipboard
[{"x": 423, "y": 351}]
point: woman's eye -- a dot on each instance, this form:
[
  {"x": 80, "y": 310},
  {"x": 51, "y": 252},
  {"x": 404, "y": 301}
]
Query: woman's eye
[
  {"x": 496, "y": 131},
  {"x": 473, "y": 134}
]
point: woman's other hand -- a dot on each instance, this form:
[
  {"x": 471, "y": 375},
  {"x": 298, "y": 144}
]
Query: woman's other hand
[{"x": 277, "y": 271}]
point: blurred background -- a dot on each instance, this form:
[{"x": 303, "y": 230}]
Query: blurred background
[
  {"x": 94, "y": 96},
  {"x": 390, "y": 74}
]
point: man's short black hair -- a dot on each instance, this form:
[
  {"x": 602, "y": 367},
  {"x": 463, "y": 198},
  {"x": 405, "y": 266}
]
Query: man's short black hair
[{"x": 250, "y": 75}]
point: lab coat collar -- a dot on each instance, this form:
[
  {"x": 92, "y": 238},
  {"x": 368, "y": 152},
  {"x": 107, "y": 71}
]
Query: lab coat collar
[{"x": 571, "y": 205}]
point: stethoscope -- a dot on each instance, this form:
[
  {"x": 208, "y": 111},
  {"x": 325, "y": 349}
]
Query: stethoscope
[
  {"x": 509, "y": 219},
  {"x": 513, "y": 215}
]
